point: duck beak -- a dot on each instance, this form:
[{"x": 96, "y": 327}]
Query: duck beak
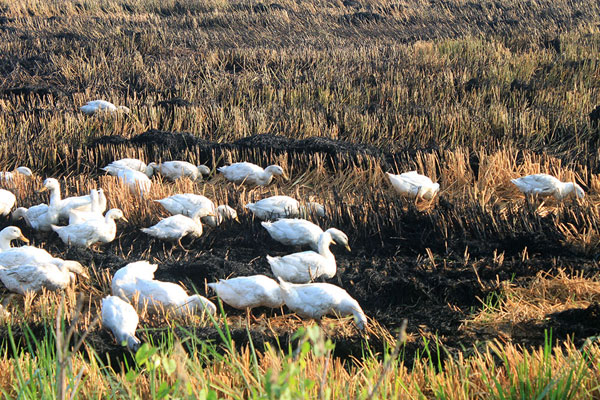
[
  {"x": 237, "y": 219},
  {"x": 348, "y": 248},
  {"x": 284, "y": 176},
  {"x": 125, "y": 219},
  {"x": 42, "y": 190},
  {"x": 23, "y": 238},
  {"x": 85, "y": 274}
]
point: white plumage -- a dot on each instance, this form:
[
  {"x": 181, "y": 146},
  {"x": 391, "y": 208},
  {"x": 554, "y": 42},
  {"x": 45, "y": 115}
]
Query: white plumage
[
  {"x": 40, "y": 217},
  {"x": 177, "y": 226},
  {"x": 8, "y": 234},
  {"x": 7, "y": 202},
  {"x": 306, "y": 266},
  {"x": 33, "y": 278},
  {"x": 64, "y": 206},
  {"x": 90, "y": 232},
  {"x": 127, "y": 274},
  {"x": 122, "y": 319},
  {"x": 547, "y": 185},
  {"x": 23, "y": 255},
  {"x": 174, "y": 170},
  {"x": 314, "y": 300},
  {"x": 99, "y": 106},
  {"x": 276, "y": 207},
  {"x": 137, "y": 182},
  {"x": 132, "y": 163},
  {"x": 414, "y": 185},
  {"x": 246, "y": 292},
  {"x": 10, "y": 175},
  {"x": 158, "y": 295},
  {"x": 98, "y": 206},
  {"x": 189, "y": 204},
  {"x": 251, "y": 174},
  {"x": 300, "y": 232}
]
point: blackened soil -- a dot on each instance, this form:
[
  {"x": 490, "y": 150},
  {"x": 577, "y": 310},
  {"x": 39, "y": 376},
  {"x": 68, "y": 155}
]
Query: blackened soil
[{"x": 391, "y": 274}]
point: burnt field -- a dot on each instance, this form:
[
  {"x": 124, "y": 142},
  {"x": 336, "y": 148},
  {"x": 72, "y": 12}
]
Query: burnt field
[{"x": 471, "y": 94}]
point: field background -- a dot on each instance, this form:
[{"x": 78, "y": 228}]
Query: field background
[{"x": 471, "y": 93}]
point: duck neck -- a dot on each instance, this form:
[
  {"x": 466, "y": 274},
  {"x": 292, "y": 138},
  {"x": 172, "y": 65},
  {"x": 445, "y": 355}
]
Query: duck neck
[
  {"x": 55, "y": 196},
  {"x": 4, "y": 243},
  {"x": 266, "y": 176},
  {"x": 564, "y": 189},
  {"x": 324, "y": 242}
]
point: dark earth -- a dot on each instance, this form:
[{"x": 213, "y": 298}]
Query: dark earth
[{"x": 388, "y": 272}]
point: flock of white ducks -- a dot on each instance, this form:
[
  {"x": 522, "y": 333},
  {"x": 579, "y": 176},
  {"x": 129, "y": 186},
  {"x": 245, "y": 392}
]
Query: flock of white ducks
[{"x": 30, "y": 269}]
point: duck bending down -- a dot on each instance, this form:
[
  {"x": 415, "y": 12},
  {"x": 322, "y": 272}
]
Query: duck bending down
[
  {"x": 8, "y": 234},
  {"x": 300, "y": 232},
  {"x": 33, "y": 278},
  {"x": 129, "y": 273},
  {"x": 174, "y": 228},
  {"x": 122, "y": 320},
  {"x": 414, "y": 185},
  {"x": 189, "y": 203},
  {"x": 7, "y": 201},
  {"x": 131, "y": 163},
  {"x": 174, "y": 170},
  {"x": 91, "y": 232},
  {"x": 276, "y": 207},
  {"x": 314, "y": 300},
  {"x": 98, "y": 206},
  {"x": 306, "y": 266},
  {"x": 64, "y": 206},
  {"x": 547, "y": 185},
  {"x": 40, "y": 217},
  {"x": 251, "y": 174},
  {"x": 32, "y": 255},
  {"x": 102, "y": 106},
  {"x": 138, "y": 182},
  {"x": 159, "y": 295},
  {"x": 18, "y": 172},
  {"x": 247, "y": 292}
]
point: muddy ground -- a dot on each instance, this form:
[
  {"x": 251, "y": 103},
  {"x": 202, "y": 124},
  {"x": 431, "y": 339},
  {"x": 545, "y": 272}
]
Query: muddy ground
[{"x": 389, "y": 273}]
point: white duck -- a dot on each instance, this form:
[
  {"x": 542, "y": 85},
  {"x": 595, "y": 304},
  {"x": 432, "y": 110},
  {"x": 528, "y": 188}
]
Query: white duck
[
  {"x": 251, "y": 174},
  {"x": 98, "y": 206},
  {"x": 122, "y": 319},
  {"x": 223, "y": 212},
  {"x": 64, "y": 206},
  {"x": 314, "y": 300},
  {"x": 189, "y": 203},
  {"x": 137, "y": 182},
  {"x": 300, "y": 232},
  {"x": 547, "y": 185},
  {"x": 7, "y": 202},
  {"x": 159, "y": 295},
  {"x": 276, "y": 207},
  {"x": 10, "y": 175},
  {"x": 132, "y": 163},
  {"x": 174, "y": 170},
  {"x": 9, "y": 234},
  {"x": 306, "y": 266},
  {"x": 33, "y": 278},
  {"x": 32, "y": 255},
  {"x": 247, "y": 292},
  {"x": 90, "y": 232},
  {"x": 174, "y": 228},
  {"x": 40, "y": 217},
  {"x": 99, "y": 106},
  {"x": 128, "y": 274},
  {"x": 414, "y": 185}
]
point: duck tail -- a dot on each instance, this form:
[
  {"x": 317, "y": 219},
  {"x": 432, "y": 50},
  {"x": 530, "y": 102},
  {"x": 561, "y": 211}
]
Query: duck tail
[{"x": 55, "y": 228}]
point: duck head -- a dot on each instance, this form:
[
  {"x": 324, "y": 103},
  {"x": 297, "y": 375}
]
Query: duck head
[{"x": 276, "y": 170}]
